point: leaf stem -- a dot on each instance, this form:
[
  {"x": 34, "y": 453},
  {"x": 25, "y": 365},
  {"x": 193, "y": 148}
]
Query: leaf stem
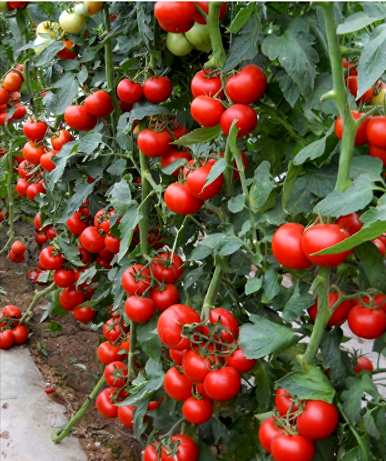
[
  {"x": 36, "y": 298},
  {"x": 144, "y": 222},
  {"x": 218, "y": 56},
  {"x": 10, "y": 198},
  {"x": 213, "y": 288}
]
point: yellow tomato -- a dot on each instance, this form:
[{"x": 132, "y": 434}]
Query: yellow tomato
[{"x": 71, "y": 22}]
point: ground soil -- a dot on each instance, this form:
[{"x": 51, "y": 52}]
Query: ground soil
[{"x": 64, "y": 352}]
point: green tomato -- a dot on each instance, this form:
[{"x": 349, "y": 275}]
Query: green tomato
[
  {"x": 177, "y": 44},
  {"x": 48, "y": 29},
  {"x": 71, "y": 22},
  {"x": 199, "y": 37}
]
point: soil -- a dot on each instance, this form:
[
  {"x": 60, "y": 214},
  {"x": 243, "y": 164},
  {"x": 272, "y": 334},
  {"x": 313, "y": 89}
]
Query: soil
[{"x": 64, "y": 352}]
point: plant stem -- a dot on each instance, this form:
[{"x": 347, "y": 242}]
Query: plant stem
[
  {"x": 358, "y": 438},
  {"x": 36, "y": 298},
  {"x": 228, "y": 173},
  {"x": 27, "y": 79},
  {"x": 59, "y": 436},
  {"x": 211, "y": 293},
  {"x": 11, "y": 215},
  {"x": 130, "y": 356},
  {"x": 340, "y": 95},
  {"x": 218, "y": 56},
  {"x": 144, "y": 222}
]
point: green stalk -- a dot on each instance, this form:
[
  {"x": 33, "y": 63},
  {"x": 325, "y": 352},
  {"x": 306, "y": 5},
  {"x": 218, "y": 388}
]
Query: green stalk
[
  {"x": 218, "y": 56},
  {"x": 213, "y": 288},
  {"x": 10, "y": 198},
  {"x": 144, "y": 222},
  {"x": 38, "y": 295},
  {"x": 228, "y": 173},
  {"x": 27, "y": 79},
  {"x": 65, "y": 432},
  {"x": 130, "y": 355}
]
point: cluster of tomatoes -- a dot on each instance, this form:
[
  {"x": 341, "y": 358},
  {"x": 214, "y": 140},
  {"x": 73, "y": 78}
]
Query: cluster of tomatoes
[
  {"x": 154, "y": 89},
  {"x": 12, "y": 331},
  {"x": 295, "y": 426},
  {"x": 178, "y": 447},
  {"x": 11, "y": 108}
]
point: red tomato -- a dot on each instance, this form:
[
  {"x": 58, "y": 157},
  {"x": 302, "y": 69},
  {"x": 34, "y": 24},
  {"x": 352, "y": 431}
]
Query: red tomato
[
  {"x": 32, "y": 152},
  {"x": 112, "y": 243},
  {"x": 240, "y": 362},
  {"x": 107, "y": 353},
  {"x": 136, "y": 279},
  {"x": 115, "y": 374},
  {"x": 204, "y": 83},
  {"x": 284, "y": 402},
  {"x": 4, "y": 96},
  {"x": 352, "y": 85},
  {"x": 20, "y": 334},
  {"x": 228, "y": 322},
  {"x": 195, "y": 366},
  {"x": 13, "y": 81},
  {"x": 318, "y": 420},
  {"x": 102, "y": 219},
  {"x": 21, "y": 187},
  {"x": 33, "y": 190},
  {"x": 178, "y": 199},
  {"x": 376, "y": 131},
  {"x": 164, "y": 296},
  {"x": 197, "y": 411},
  {"x": 69, "y": 51},
  {"x": 361, "y": 134},
  {"x": 171, "y": 322},
  {"x": 245, "y": 116},
  {"x": 176, "y": 385},
  {"x": 247, "y": 86},
  {"x": 196, "y": 181},
  {"x": 61, "y": 139},
  {"x": 79, "y": 119},
  {"x": 75, "y": 223},
  {"x": 380, "y": 245},
  {"x": 187, "y": 449},
  {"x": 111, "y": 330},
  {"x": 46, "y": 161},
  {"x": 154, "y": 143},
  {"x": 150, "y": 453},
  {"x": 340, "y": 313},
  {"x": 175, "y": 16},
  {"x": 139, "y": 309},
  {"x": 171, "y": 157},
  {"x": 91, "y": 240},
  {"x": 126, "y": 415},
  {"x": 50, "y": 258},
  {"x": 129, "y": 91},
  {"x": 223, "y": 384},
  {"x": 34, "y": 131},
  {"x": 292, "y": 448},
  {"x": 198, "y": 17},
  {"x": 206, "y": 111},
  {"x": 363, "y": 364},
  {"x": 18, "y": 248},
  {"x": 99, "y": 104},
  {"x": 24, "y": 169},
  {"x": 157, "y": 89},
  {"x": 321, "y": 236},
  {"x": 71, "y": 297},
  {"x": 367, "y": 323},
  {"x": 166, "y": 267},
  {"x": 64, "y": 277},
  {"x": 84, "y": 314},
  {"x": 351, "y": 223},
  {"x": 6, "y": 339},
  {"x": 10, "y": 311},
  {"x": 104, "y": 403},
  {"x": 268, "y": 431},
  {"x": 378, "y": 152}
]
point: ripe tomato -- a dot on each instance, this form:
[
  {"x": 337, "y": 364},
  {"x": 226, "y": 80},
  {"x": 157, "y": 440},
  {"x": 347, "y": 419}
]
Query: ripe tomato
[
  {"x": 176, "y": 385},
  {"x": 4, "y": 96},
  {"x": 10, "y": 311},
  {"x": 46, "y": 161},
  {"x": 178, "y": 199},
  {"x": 64, "y": 277},
  {"x": 102, "y": 219},
  {"x": 240, "y": 362},
  {"x": 268, "y": 431},
  {"x": 376, "y": 131},
  {"x": 176, "y": 355},
  {"x": 21, "y": 187},
  {"x": 50, "y": 258},
  {"x": 154, "y": 143},
  {"x": 19, "y": 113},
  {"x": 129, "y": 91},
  {"x": 246, "y": 119},
  {"x": 139, "y": 309},
  {"x": 284, "y": 402},
  {"x": 352, "y": 85},
  {"x": 91, "y": 240},
  {"x": 13, "y": 81},
  {"x": 228, "y": 322},
  {"x": 112, "y": 243},
  {"x": 157, "y": 89},
  {"x": 99, "y": 104},
  {"x": 166, "y": 267},
  {"x": 32, "y": 152},
  {"x": 171, "y": 322},
  {"x": 195, "y": 366},
  {"x": 18, "y": 248},
  {"x": 164, "y": 296},
  {"x": 340, "y": 313},
  {"x": 380, "y": 245},
  {"x": 351, "y": 223},
  {"x": 126, "y": 415},
  {"x": 367, "y": 323},
  {"x": 107, "y": 353},
  {"x": 104, "y": 403},
  {"x": 6, "y": 339},
  {"x": 222, "y": 384},
  {"x": 34, "y": 131},
  {"x": 321, "y": 236},
  {"x": 136, "y": 279},
  {"x": 171, "y": 157},
  {"x": 204, "y": 83},
  {"x": 187, "y": 449},
  {"x": 318, "y": 420},
  {"x": 197, "y": 411},
  {"x": 111, "y": 330},
  {"x": 33, "y": 190},
  {"x": 378, "y": 152},
  {"x": 61, "y": 139},
  {"x": 247, "y": 86},
  {"x": 292, "y": 447},
  {"x": 69, "y": 51},
  {"x": 79, "y": 119},
  {"x": 363, "y": 364},
  {"x": 206, "y": 111},
  {"x": 115, "y": 374},
  {"x": 71, "y": 297},
  {"x": 361, "y": 134},
  {"x": 150, "y": 453},
  {"x": 24, "y": 169},
  {"x": 20, "y": 334},
  {"x": 83, "y": 314},
  {"x": 198, "y": 17},
  {"x": 75, "y": 224},
  {"x": 175, "y": 16},
  {"x": 196, "y": 181}
]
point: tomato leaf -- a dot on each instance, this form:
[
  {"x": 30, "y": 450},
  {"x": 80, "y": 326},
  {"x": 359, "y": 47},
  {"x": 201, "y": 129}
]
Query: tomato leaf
[
  {"x": 68, "y": 87},
  {"x": 149, "y": 340},
  {"x": 334, "y": 358},
  {"x": 254, "y": 284},
  {"x": 372, "y": 264},
  {"x": 299, "y": 301},
  {"x": 308, "y": 385},
  {"x": 236, "y": 204},
  {"x": 356, "y": 388},
  {"x": 82, "y": 190},
  {"x": 216, "y": 171},
  {"x": 170, "y": 169},
  {"x": 89, "y": 142},
  {"x": 241, "y": 18},
  {"x": 357, "y": 21},
  {"x": 311, "y": 151},
  {"x": 198, "y": 136},
  {"x": 61, "y": 159},
  {"x": 263, "y": 337},
  {"x": 142, "y": 110},
  {"x": 262, "y": 186}
]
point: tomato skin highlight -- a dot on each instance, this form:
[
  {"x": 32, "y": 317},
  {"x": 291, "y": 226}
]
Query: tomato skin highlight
[
  {"x": 376, "y": 131},
  {"x": 268, "y": 431},
  {"x": 318, "y": 420},
  {"x": 292, "y": 448},
  {"x": 286, "y": 246}
]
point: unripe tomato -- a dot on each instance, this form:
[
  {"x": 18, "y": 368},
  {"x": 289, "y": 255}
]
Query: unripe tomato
[
  {"x": 318, "y": 420},
  {"x": 79, "y": 119},
  {"x": 91, "y": 240},
  {"x": 93, "y": 7},
  {"x": 204, "y": 83},
  {"x": 286, "y": 246},
  {"x": 174, "y": 16},
  {"x": 197, "y": 411},
  {"x": 199, "y": 37},
  {"x": 71, "y": 22},
  {"x": 245, "y": 117},
  {"x": 247, "y": 86},
  {"x": 361, "y": 134},
  {"x": 157, "y": 89},
  {"x": 177, "y": 44},
  {"x": 154, "y": 143},
  {"x": 179, "y": 199},
  {"x": 129, "y": 91},
  {"x": 99, "y": 104},
  {"x": 206, "y": 111}
]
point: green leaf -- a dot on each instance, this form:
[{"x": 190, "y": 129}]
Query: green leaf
[
  {"x": 126, "y": 227},
  {"x": 357, "y": 21},
  {"x": 68, "y": 90},
  {"x": 61, "y": 159},
  {"x": 264, "y": 386},
  {"x": 308, "y": 385},
  {"x": 217, "y": 170},
  {"x": 299, "y": 301},
  {"x": 262, "y": 186},
  {"x": 117, "y": 167},
  {"x": 87, "y": 275},
  {"x": 149, "y": 340},
  {"x": 292, "y": 174},
  {"x": 355, "y": 198},
  {"x": 142, "y": 110},
  {"x": 253, "y": 285},
  {"x": 89, "y": 142},
  {"x": 263, "y": 337},
  {"x": 241, "y": 18},
  {"x": 229, "y": 245},
  {"x": 271, "y": 284},
  {"x": 170, "y": 169},
  {"x": 48, "y": 54},
  {"x": 120, "y": 196},
  {"x": 198, "y": 136},
  {"x": 364, "y": 164},
  {"x": 311, "y": 151},
  {"x": 356, "y": 388},
  {"x": 334, "y": 358},
  {"x": 372, "y": 61},
  {"x": 372, "y": 264},
  {"x": 82, "y": 190},
  {"x": 236, "y": 203}
]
